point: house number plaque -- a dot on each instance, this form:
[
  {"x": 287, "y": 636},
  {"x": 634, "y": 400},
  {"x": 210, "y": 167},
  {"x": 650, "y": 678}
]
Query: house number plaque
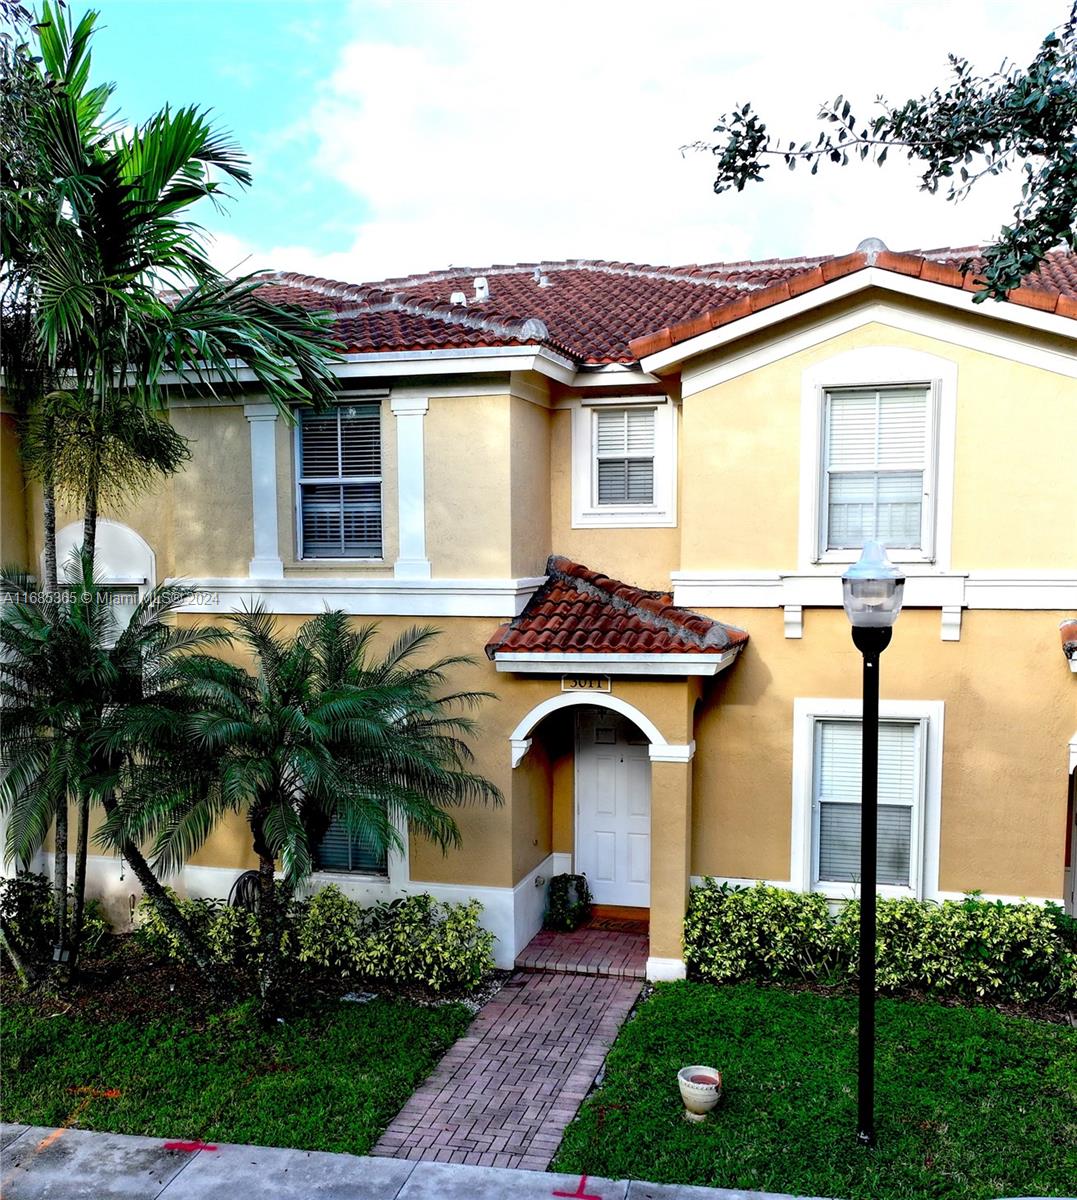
[{"x": 585, "y": 683}]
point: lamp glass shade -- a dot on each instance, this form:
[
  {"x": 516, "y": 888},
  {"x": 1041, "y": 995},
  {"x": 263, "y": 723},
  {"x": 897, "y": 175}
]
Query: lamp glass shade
[{"x": 872, "y": 589}]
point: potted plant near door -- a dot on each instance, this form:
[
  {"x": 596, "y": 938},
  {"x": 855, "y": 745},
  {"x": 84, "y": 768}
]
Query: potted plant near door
[{"x": 568, "y": 903}]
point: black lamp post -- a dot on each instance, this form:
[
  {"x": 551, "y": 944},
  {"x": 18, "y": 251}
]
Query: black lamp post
[{"x": 871, "y": 592}]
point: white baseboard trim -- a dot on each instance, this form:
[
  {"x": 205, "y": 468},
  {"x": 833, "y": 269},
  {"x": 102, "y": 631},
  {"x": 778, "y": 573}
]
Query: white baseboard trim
[
  {"x": 663, "y": 970},
  {"x": 938, "y": 896},
  {"x": 741, "y": 881}
]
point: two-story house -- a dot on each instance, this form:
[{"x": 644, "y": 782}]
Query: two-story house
[{"x": 629, "y": 493}]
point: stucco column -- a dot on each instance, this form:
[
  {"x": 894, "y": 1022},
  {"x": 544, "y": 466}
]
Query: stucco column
[
  {"x": 266, "y": 563},
  {"x": 410, "y": 412},
  {"x": 671, "y": 848}
]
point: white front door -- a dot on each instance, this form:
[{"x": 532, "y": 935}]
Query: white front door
[{"x": 613, "y": 808}]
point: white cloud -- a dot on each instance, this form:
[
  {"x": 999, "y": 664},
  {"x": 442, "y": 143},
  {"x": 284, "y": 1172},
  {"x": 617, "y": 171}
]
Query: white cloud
[{"x": 474, "y": 131}]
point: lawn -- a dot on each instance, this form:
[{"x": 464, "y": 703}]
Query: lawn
[
  {"x": 971, "y": 1104},
  {"x": 331, "y": 1080}
]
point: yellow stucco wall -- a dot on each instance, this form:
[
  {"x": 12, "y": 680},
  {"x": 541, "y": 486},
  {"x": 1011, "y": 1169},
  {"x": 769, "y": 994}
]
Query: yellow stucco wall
[
  {"x": 1010, "y": 708},
  {"x": 13, "y": 498},
  {"x": 642, "y": 556},
  {"x": 1015, "y": 483}
]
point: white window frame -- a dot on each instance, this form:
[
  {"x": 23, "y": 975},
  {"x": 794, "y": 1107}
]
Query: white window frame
[
  {"x": 300, "y": 480},
  {"x": 586, "y": 512},
  {"x": 874, "y": 367},
  {"x": 927, "y": 818}
]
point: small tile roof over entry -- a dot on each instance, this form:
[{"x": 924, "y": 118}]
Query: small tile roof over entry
[
  {"x": 595, "y": 313},
  {"x": 580, "y": 611}
]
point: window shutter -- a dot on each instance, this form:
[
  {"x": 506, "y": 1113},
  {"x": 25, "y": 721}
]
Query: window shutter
[
  {"x": 340, "y": 483},
  {"x": 876, "y": 459},
  {"x": 624, "y": 452},
  {"x": 338, "y": 851},
  {"x": 837, "y": 796}
]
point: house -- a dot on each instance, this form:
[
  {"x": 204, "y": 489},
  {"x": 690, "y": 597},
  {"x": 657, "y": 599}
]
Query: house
[{"x": 629, "y": 492}]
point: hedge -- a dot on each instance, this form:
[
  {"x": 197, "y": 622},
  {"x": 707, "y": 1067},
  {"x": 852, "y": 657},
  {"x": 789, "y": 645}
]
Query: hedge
[{"x": 968, "y": 949}]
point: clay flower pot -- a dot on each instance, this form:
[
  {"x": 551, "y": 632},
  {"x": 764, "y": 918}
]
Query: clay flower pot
[{"x": 701, "y": 1089}]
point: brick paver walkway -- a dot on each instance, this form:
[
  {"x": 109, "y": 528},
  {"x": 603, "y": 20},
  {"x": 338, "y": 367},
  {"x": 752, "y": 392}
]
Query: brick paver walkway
[
  {"x": 503, "y": 1094},
  {"x": 611, "y": 947}
]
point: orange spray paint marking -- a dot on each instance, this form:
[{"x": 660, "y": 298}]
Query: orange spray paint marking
[{"x": 48, "y": 1140}]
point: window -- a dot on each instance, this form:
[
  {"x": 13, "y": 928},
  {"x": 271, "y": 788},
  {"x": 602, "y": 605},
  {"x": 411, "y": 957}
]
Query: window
[
  {"x": 876, "y": 467},
  {"x": 340, "y": 851},
  {"x": 826, "y": 797},
  {"x": 877, "y": 435},
  {"x": 623, "y": 464},
  {"x": 624, "y": 456},
  {"x": 836, "y": 802},
  {"x": 340, "y": 483}
]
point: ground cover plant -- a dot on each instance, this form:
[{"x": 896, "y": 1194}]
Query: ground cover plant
[
  {"x": 329, "y": 1080},
  {"x": 971, "y": 1104}
]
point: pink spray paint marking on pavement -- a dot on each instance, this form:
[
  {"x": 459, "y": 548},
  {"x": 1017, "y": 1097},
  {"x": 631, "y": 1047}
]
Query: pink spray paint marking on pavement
[
  {"x": 581, "y": 1192},
  {"x": 189, "y": 1147}
]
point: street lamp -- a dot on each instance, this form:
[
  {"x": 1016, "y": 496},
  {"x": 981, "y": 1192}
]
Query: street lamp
[{"x": 872, "y": 590}]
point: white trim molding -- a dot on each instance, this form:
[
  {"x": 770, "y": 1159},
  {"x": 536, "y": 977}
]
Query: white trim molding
[
  {"x": 930, "y": 714},
  {"x": 874, "y": 367},
  {"x": 366, "y": 597},
  {"x": 666, "y": 970},
  {"x": 410, "y": 411},
  {"x": 672, "y": 753},
  {"x": 952, "y": 591},
  {"x": 586, "y": 513},
  {"x": 262, "y": 419},
  {"x": 992, "y": 337},
  {"x": 531, "y": 719},
  {"x": 538, "y": 663}
]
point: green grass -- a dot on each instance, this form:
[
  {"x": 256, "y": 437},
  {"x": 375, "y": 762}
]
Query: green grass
[
  {"x": 970, "y": 1104},
  {"x": 329, "y": 1081}
]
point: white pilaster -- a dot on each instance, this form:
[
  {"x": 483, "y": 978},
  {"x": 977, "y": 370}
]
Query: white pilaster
[
  {"x": 411, "y": 562},
  {"x": 266, "y": 563}
]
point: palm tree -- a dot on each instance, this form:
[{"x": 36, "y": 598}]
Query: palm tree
[
  {"x": 68, "y": 676},
  {"x": 121, "y": 294},
  {"x": 324, "y": 730}
]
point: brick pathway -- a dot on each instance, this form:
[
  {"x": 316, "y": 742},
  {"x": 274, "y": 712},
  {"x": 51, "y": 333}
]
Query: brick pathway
[
  {"x": 617, "y": 948},
  {"x": 503, "y": 1094}
]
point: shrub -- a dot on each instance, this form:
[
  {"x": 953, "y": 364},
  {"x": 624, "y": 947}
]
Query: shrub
[
  {"x": 418, "y": 942},
  {"x": 970, "y": 949},
  {"x": 757, "y": 933},
  {"x": 329, "y": 933},
  {"x": 27, "y": 910},
  {"x": 154, "y": 934}
]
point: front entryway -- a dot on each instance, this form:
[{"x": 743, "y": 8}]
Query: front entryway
[{"x": 613, "y": 808}]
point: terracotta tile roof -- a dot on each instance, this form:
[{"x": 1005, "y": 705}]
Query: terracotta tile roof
[
  {"x": 1053, "y": 288},
  {"x": 580, "y": 611},
  {"x": 596, "y": 312}
]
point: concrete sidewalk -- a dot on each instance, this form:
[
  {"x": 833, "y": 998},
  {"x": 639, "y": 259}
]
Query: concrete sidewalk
[{"x": 75, "y": 1164}]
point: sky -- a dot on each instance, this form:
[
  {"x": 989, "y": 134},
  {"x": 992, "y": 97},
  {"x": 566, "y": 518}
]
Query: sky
[{"x": 389, "y": 137}]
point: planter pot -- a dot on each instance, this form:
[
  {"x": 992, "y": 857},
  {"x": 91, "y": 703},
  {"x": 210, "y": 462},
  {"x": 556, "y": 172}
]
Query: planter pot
[{"x": 701, "y": 1089}]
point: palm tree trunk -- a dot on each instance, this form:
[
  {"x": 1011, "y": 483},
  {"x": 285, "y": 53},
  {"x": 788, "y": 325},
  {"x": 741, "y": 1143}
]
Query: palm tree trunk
[
  {"x": 23, "y": 968},
  {"x": 166, "y": 909},
  {"x": 89, "y": 520},
  {"x": 82, "y": 840},
  {"x": 170, "y": 915},
  {"x": 48, "y": 494},
  {"x": 59, "y": 872}
]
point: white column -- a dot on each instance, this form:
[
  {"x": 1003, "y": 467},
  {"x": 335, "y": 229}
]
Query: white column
[
  {"x": 266, "y": 563},
  {"x": 411, "y": 562}
]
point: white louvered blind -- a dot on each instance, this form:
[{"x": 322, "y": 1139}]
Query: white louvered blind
[
  {"x": 876, "y": 460},
  {"x": 341, "y": 851},
  {"x": 837, "y": 801},
  {"x": 624, "y": 456},
  {"x": 340, "y": 482}
]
